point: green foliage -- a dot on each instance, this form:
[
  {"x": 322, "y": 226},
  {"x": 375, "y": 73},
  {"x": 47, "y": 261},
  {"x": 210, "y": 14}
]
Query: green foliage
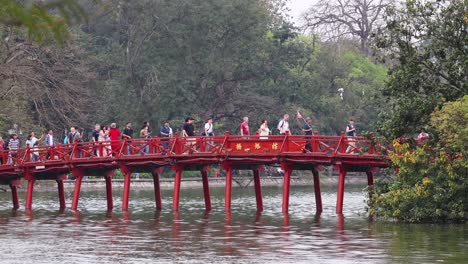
[
  {"x": 432, "y": 183},
  {"x": 225, "y": 59},
  {"x": 39, "y": 19},
  {"x": 164, "y": 60},
  {"x": 426, "y": 40}
]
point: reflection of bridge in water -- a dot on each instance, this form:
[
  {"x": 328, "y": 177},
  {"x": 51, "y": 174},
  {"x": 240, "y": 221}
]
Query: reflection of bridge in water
[{"x": 357, "y": 154}]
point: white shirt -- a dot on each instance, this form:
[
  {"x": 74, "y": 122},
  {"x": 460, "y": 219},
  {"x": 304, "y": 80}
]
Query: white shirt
[
  {"x": 170, "y": 132},
  {"x": 32, "y": 141},
  {"x": 209, "y": 128},
  {"x": 49, "y": 142},
  {"x": 283, "y": 126}
]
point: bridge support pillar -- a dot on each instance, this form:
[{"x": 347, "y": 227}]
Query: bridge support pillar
[
  {"x": 126, "y": 189},
  {"x": 61, "y": 194},
  {"x": 228, "y": 190},
  {"x": 177, "y": 181},
  {"x": 258, "y": 190},
  {"x": 286, "y": 187},
  {"x": 370, "y": 183},
  {"x": 318, "y": 194},
  {"x": 76, "y": 193},
  {"x": 110, "y": 202},
  {"x": 14, "y": 194},
  {"x": 157, "y": 189},
  {"x": 340, "y": 191},
  {"x": 206, "y": 188},
  {"x": 29, "y": 194}
]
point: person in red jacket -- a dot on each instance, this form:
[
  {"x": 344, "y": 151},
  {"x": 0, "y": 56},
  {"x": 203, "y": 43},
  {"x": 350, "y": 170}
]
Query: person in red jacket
[{"x": 114, "y": 135}]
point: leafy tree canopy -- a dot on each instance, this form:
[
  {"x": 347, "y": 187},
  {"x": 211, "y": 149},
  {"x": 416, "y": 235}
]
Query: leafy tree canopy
[
  {"x": 39, "y": 18},
  {"x": 427, "y": 40},
  {"x": 432, "y": 182}
]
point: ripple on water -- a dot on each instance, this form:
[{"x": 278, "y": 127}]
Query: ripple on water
[{"x": 144, "y": 235}]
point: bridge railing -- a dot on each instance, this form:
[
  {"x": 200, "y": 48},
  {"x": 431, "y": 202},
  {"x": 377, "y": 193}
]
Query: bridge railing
[
  {"x": 197, "y": 145},
  {"x": 14, "y": 157},
  {"x": 146, "y": 146},
  {"x": 41, "y": 154},
  {"x": 218, "y": 145}
]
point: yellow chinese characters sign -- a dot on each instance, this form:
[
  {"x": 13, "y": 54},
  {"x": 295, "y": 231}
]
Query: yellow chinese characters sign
[{"x": 238, "y": 146}]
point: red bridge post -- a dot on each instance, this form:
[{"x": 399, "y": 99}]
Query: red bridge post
[
  {"x": 343, "y": 142},
  {"x": 76, "y": 193},
  {"x": 228, "y": 188},
  {"x": 108, "y": 177},
  {"x": 157, "y": 189},
  {"x": 315, "y": 143},
  {"x": 177, "y": 181},
  {"x": 206, "y": 188},
  {"x": 61, "y": 191},
  {"x": 258, "y": 190},
  {"x": 318, "y": 194},
  {"x": 286, "y": 186},
  {"x": 126, "y": 190},
  {"x": 14, "y": 193},
  {"x": 29, "y": 193},
  {"x": 370, "y": 182},
  {"x": 340, "y": 191}
]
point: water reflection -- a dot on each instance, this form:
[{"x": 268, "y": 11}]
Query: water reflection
[{"x": 144, "y": 234}]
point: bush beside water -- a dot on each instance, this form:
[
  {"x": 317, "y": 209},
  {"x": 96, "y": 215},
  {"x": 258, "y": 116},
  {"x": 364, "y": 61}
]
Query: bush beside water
[{"x": 432, "y": 180}]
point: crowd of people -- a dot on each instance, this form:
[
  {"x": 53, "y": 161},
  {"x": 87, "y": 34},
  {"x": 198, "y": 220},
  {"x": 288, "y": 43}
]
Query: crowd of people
[{"x": 113, "y": 134}]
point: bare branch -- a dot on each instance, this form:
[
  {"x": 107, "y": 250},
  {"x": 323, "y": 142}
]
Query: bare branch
[{"x": 356, "y": 18}]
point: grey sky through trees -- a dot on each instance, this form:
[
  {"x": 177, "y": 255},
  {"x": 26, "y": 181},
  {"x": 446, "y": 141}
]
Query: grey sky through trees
[{"x": 298, "y": 7}]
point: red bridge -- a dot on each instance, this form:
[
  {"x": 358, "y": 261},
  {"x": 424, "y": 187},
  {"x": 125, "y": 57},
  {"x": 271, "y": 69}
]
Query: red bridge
[{"x": 195, "y": 154}]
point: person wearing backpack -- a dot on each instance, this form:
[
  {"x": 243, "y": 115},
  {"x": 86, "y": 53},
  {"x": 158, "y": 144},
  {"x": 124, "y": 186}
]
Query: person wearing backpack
[{"x": 283, "y": 125}]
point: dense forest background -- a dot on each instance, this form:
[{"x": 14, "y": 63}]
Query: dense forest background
[
  {"x": 157, "y": 60},
  {"x": 164, "y": 60}
]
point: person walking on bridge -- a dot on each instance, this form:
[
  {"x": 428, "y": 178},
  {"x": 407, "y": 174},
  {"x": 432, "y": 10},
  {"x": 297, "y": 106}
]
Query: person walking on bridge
[
  {"x": 127, "y": 134},
  {"x": 13, "y": 146},
  {"x": 283, "y": 125},
  {"x": 208, "y": 131},
  {"x": 49, "y": 138},
  {"x": 307, "y": 129},
  {"x": 350, "y": 132},
  {"x": 264, "y": 131},
  {"x": 103, "y": 139},
  {"x": 114, "y": 135},
  {"x": 33, "y": 139},
  {"x": 188, "y": 131},
  {"x": 165, "y": 133},
  {"x": 244, "y": 127},
  {"x": 144, "y": 133},
  {"x": 74, "y": 135}
]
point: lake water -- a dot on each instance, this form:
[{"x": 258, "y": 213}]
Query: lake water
[{"x": 145, "y": 235}]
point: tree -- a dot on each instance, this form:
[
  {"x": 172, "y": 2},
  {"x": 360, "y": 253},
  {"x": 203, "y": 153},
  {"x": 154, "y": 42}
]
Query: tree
[
  {"x": 432, "y": 182},
  {"x": 427, "y": 40},
  {"x": 39, "y": 18},
  {"x": 42, "y": 85},
  {"x": 167, "y": 59},
  {"x": 355, "y": 18}
]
